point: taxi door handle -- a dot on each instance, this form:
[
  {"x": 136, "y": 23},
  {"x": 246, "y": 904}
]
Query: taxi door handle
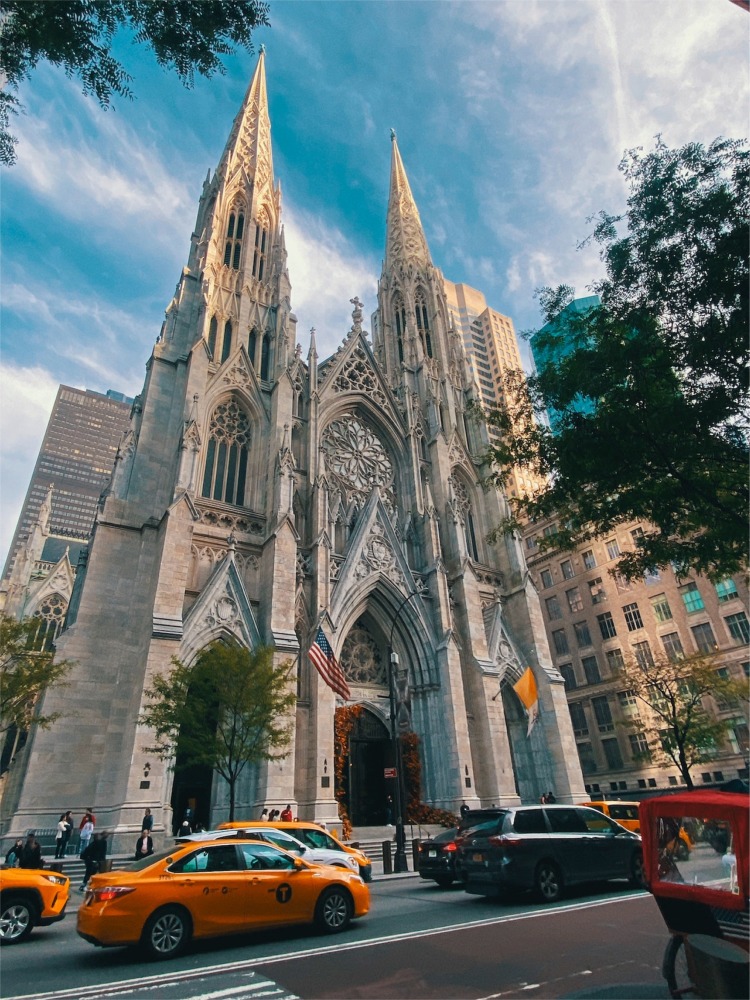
[{"x": 188, "y": 881}]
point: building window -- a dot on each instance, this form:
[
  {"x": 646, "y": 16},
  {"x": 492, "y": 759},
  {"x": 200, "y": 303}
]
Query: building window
[
  {"x": 400, "y": 316},
  {"x": 613, "y": 549},
  {"x": 591, "y": 669},
  {"x": 739, "y": 738},
  {"x": 691, "y": 598},
  {"x": 578, "y": 718},
  {"x": 566, "y": 669},
  {"x": 596, "y": 591},
  {"x": 660, "y": 607},
  {"x": 673, "y": 647},
  {"x": 566, "y": 568},
  {"x": 530, "y": 539},
  {"x": 726, "y": 590},
  {"x": 615, "y": 661},
  {"x": 423, "y": 325},
  {"x": 233, "y": 242},
  {"x": 652, "y": 576},
  {"x": 560, "y": 640},
  {"x": 586, "y": 757},
  {"x": 613, "y": 754},
  {"x": 606, "y": 625},
  {"x": 639, "y": 746},
  {"x": 260, "y": 250},
  {"x": 583, "y": 636},
  {"x": 212, "y": 327},
  {"x": 226, "y": 454},
  {"x": 637, "y": 535},
  {"x": 622, "y": 584},
  {"x": 632, "y": 617},
  {"x": 575, "y": 601},
  {"x": 554, "y": 611},
  {"x": 546, "y": 578},
  {"x": 589, "y": 560},
  {"x": 265, "y": 357},
  {"x": 738, "y": 628},
  {"x": 643, "y": 656},
  {"x": 725, "y": 701},
  {"x": 703, "y": 634},
  {"x": 226, "y": 346}
]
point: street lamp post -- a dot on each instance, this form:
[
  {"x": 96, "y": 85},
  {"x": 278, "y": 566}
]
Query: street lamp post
[{"x": 400, "y": 863}]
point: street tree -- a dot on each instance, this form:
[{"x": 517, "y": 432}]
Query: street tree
[
  {"x": 26, "y": 672},
  {"x": 227, "y": 710},
  {"x": 681, "y": 726},
  {"x": 649, "y": 389},
  {"x": 77, "y": 35}
]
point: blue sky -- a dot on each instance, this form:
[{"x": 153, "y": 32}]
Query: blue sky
[{"x": 512, "y": 117}]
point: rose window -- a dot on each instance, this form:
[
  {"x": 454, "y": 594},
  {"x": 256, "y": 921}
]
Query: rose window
[{"x": 357, "y": 460}]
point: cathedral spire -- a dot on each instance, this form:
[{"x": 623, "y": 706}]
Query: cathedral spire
[
  {"x": 249, "y": 145},
  {"x": 405, "y": 240}
]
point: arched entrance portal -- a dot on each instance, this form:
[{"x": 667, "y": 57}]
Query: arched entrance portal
[{"x": 367, "y": 788}]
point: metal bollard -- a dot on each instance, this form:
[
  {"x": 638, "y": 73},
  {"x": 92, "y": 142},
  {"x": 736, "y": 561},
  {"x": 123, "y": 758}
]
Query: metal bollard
[{"x": 387, "y": 859}]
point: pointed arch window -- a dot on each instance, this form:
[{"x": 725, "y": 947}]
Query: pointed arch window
[
  {"x": 226, "y": 346},
  {"x": 252, "y": 345},
  {"x": 50, "y": 616},
  {"x": 227, "y": 452},
  {"x": 261, "y": 247},
  {"x": 265, "y": 357},
  {"x": 212, "y": 327},
  {"x": 400, "y": 317},
  {"x": 423, "y": 324},
  {"x": 233, "y": 242}
]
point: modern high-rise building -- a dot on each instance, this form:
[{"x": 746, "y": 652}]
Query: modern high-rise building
[
  {"x": 491, "y": 345},
  {"x": 258, "y": 497},
  {"x": 76, "y": 459}
]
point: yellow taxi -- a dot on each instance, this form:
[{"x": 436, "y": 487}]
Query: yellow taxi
[
  {"x": 213, "y": 888},
  {"x": 311, "y": 834},
  {"x": 627, "y": 815},
  {"x": 29, "y": 898}
]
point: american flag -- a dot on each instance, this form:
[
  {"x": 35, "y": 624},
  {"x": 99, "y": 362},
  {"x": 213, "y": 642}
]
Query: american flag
[{"x": 327, "y": 666}]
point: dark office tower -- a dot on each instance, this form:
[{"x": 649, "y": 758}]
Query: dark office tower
[{"x": 76, "y": 459}]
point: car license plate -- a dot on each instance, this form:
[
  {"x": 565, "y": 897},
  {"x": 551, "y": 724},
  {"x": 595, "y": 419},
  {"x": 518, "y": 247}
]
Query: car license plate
[
  {"x": 477, "y": 857},
  {"x": 432, "y": 854}
]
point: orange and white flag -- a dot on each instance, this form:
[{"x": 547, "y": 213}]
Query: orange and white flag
[{"x": 525, "y": 688}]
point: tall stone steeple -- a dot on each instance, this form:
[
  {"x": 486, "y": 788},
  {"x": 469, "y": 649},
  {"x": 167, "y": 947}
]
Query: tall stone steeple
[{"x": 405, "y": 239}]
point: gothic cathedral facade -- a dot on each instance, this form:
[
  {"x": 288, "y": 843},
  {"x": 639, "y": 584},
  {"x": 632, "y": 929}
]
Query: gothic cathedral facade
[{"x": 257, "y": 496}]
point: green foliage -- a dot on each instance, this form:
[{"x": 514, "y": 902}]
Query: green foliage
[
  {"x": 25, "y": 674},
  {"x": 186, "y": 36},
  {"x": 229, "y": 709},
  {"x": 650, "y": 398},
  {"x": 682, "y": 727}
]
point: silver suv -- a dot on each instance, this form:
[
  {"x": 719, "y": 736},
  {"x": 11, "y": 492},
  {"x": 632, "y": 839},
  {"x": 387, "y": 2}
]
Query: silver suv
[{"x": 544, "y": 848}]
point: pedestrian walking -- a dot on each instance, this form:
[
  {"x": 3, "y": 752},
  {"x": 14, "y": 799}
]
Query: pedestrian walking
[
  {"x": 264, "y": 813},
  {"x": 147, "y": 823},
  {"x": 69, "y": 824},
  {"x": 31, "y": 852},
  {"x": 286, "y": 814},
  {"x": 62, "y": 827},
  {"x": 144, "y": 846},
  {"x": 94, "y": 856},
  {"x": 87, "y": 832},
  {"x": 13, "y": 857}
]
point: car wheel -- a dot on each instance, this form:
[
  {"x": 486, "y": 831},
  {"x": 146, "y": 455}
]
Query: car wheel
[
  {"x": 333, "y": 912},
  {"x": 637, "y": 871},
  {"x": 166, "y": 933},
  {"x": 683, "y": 851},
  {"x": 548, "y": 882},
  {"x": 674, "y": 967},
  {"x": 444, "y": 881},
  {"x": 17, "y": 918}
]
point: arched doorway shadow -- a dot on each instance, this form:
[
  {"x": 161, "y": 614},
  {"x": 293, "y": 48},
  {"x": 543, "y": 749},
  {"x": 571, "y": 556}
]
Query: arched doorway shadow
[{"x": 366, "y": 789}]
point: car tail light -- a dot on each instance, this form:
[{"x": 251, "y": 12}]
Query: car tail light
[
  {"x": 505, "y": 841},
  {"x": 450, "y": 848},
  {"x": 109, "y": 892}
]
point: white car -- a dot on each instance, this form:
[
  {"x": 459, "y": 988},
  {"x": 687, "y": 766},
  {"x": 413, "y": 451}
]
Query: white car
[{"x": 284, "y": 840}]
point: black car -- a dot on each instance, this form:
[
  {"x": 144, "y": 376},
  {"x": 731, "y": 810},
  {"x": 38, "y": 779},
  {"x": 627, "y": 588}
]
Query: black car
[
  {"x": 544, "y": 848},
  {"x": 437, "y": 858}
]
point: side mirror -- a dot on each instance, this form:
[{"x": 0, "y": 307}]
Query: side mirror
[{"x": 299, "y": 864}]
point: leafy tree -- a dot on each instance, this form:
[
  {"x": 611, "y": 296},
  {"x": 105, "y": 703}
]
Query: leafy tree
[
  {"x": 227, "y": 710},
  {"x": 186, "y": 36},
  {"x": 681, "y": 726},
  {"x": 25, "y": 674},
  {"x": 649, "y": 390}
]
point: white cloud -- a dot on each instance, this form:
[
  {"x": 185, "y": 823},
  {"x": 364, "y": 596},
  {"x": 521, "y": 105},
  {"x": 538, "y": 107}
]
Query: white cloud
[
  {"x": 25, "y": 405},
  {"x": 326, "y": 271}
]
